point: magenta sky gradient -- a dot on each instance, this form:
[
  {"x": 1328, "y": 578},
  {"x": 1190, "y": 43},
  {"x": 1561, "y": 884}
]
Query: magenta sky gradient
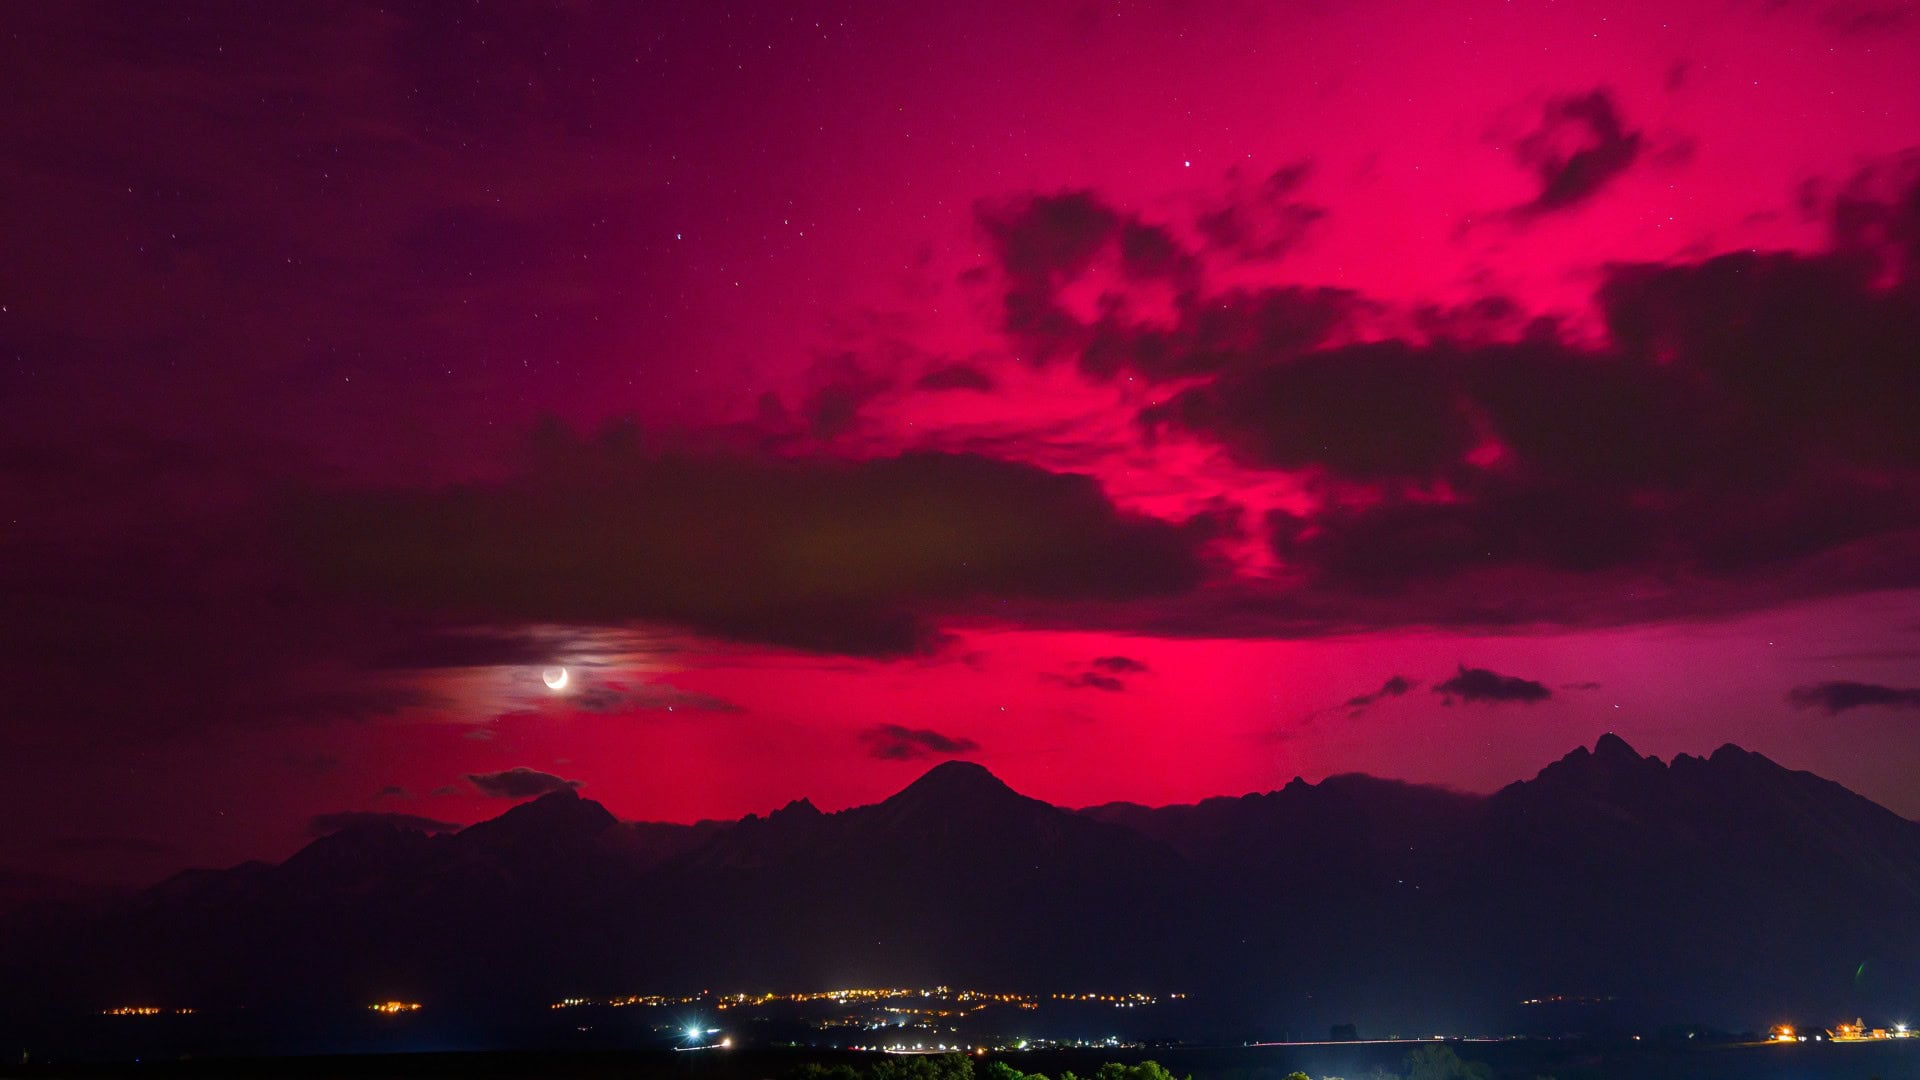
[{"x": 274, "y": 279}]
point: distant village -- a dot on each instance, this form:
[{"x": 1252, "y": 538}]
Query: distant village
[{"x": 1857, "y": 1031}]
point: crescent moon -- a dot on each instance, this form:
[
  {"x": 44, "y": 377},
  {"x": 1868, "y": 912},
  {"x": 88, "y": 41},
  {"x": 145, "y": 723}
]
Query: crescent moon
[{"x": 555, "y": 678}]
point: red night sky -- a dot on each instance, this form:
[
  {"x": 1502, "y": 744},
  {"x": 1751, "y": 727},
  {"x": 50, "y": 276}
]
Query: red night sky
[{"x": 1146, "y": 400}]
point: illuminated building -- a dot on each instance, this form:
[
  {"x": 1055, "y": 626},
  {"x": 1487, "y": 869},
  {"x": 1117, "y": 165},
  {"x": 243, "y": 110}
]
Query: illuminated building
[{"x": 1858, "y": 1031}]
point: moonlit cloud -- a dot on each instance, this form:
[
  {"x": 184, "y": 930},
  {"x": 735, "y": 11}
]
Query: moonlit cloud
[{"x": 519, "y": 782}]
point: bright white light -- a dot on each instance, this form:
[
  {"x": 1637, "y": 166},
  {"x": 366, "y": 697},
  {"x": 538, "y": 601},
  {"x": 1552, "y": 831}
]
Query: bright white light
[
  {"x": 693, "y": 1034},
  {"x": 555, "y": 678}
]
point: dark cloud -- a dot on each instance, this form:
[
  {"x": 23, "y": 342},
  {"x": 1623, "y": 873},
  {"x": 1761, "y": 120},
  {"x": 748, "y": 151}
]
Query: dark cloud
[
  {"x": 1728, "y": 541},
  {"x": 1045, "y": 243},
  {"x": 1743, "y": 431},
  {"x": 1876, "y": 216},
  {"x": 844, "y": 387},
  {"x": 1580, "y": 686},
  {"x": 1103, "y": 674},
  {"x": 1486, "y": 318},
  {"x": 1741, "y": 436},
  {"x": 1838, "y": 697},
  {"x": 325, "y": 824},
  {"x": 1263, "y": 221},
  {"x": 609, "y": 697},
  {"x": 391, "y": 791},
  {"x": 1366, "y": 411},
  {"x": 1870, "y": 18},
  {"x": 1580, "y": 146},
  {"x": 1047, "y": 238},
  {"x": 1869, "y": 654},
  {"x": 1212, "y": 333},
  {"x": 1040, "y": 244},
  {"x": 1790, "y": 352},
  {"x": 843, "y": 557},
  {"x": 519, "y": 782},
  {"x": 1479, "y": 684},
  {"x": 1093, "y": 680},
  {"x": 956, "y": 377},
  {"x": 894, "y": 742},
  {"x": 1395, "y": 686},
  {"x": 1664, "y": 450}
]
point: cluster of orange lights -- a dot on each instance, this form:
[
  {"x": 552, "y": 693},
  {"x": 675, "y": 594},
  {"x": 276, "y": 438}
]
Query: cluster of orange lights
[
  {"x": 144, "y": 1010},
  {"x": 629, "y": 999},
  {"x": 866, "y": 995},
  {"x": 391, "y": 1007},
  {"x": 1842, "y": 1032},
  {"x": 1565, "y": 999},
  {"x": 1118, "y": 1001}
]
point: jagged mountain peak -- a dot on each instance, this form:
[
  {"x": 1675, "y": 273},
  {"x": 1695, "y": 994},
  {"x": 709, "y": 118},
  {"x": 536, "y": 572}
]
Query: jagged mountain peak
[
  {"x": 1610, "y": 760},
  {"x": 798, "y": 808}
]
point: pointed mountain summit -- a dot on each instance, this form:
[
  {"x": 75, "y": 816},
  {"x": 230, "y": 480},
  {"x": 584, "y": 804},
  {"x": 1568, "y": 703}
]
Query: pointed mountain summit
[
  {"x": 1611, "y": 747},
  {"x": 557, "y": 817},
  {"x": 1610, "y": 751},
  {"x": 565, "y": 808},
  {"x": 954, "y": 780},
  {"x": 958, "y": 795}
]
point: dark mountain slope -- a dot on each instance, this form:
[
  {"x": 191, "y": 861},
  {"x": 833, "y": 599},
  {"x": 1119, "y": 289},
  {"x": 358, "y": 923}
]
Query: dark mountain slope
[{"x": 955, "y": 878}]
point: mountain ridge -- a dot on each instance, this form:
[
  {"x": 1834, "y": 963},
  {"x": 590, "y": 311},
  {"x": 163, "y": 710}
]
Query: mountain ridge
[{"x": 1708, "y": 888}]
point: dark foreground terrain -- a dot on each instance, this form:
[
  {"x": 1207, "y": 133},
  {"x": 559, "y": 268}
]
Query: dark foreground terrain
[{"x": 1509, "y": 1060}]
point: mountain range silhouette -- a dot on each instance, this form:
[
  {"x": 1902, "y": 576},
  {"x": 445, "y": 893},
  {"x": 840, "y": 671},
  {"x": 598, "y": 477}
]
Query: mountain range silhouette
[{"x": 1724, "y": 889}]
